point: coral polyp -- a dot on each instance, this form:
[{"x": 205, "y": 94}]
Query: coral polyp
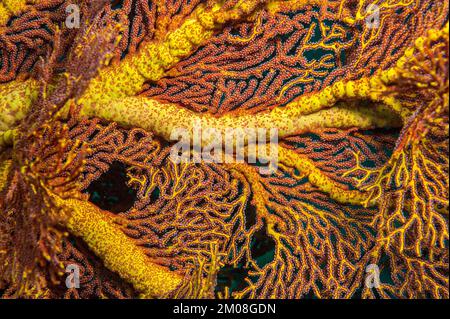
[{"x": 92, "y": 97}]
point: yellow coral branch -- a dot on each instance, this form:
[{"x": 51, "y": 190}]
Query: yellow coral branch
[
  {"x": 163, "y": 118},
  {"x": 316, "y": 177},
  {"x": 323, "y": 182},
  {"x": 126, "y": 79},
  {"x": 9, "y": 8},
  {"x": 119, "y": 254},
  {"x": 154, "y": 58},
  {"x": 5, "y": 167},
  {"x": 16, "y": 99}
]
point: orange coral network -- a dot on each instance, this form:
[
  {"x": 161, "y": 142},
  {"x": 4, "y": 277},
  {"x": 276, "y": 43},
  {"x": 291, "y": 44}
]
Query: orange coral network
[{"x": 356, "y": 91}]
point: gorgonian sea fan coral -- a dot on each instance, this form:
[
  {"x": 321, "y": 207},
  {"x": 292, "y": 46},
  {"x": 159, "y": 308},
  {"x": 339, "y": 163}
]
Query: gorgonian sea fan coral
[{"x": 86, "y": 116}]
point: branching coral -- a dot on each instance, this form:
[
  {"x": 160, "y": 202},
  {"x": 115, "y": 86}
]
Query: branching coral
[{"x": 361, "y": 109}]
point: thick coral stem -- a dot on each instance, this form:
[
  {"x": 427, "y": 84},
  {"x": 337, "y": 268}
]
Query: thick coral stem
[
  {"x": 16, "y": 99},
  {"x": 119, "y": 254},
  {"x": 323, "y": 182},
  {"x": 126, "y": 78},
  {"x": 9, "y": 8},
  {"x": 164, "y": 118},
  {"x": 154, "y": 58}
]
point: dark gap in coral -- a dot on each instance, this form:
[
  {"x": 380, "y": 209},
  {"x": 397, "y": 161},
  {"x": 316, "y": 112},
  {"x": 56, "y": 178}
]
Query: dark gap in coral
[
  {"x": 231, "y": 277},
  {"x": 154, "y": 196},
  {"x": 93, "y": 135},
  {"x": 110, "y": 191},
  {"x": 250, "y": 217},
  {"x": 138, "y": 136},
  {"x": 262, "y": 247},
  {"x": 116, "y": 4}
]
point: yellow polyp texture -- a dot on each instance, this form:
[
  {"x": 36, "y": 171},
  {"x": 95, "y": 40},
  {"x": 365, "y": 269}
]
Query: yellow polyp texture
[
  {"x": 339, "y": 89},
  {"x": 364, "y": 89},
  {"x": 195, "y": 32},
  {"x": 5, "y": 167},
  {"x": 178, "y": 46},
  {"x": 4, "y": 15},
  {"x": 409, "y": 52},
  {"x": 16, "y": 99},
  {"x": 163, "y": 118},
  {"x": 350, "y": 89},
  {"x": 9, "y": 8},
  {"x": 147, "y": 66},
  {"x": 118, "y": 252},
  {"x": 274, "y": 6},
  {"x": 206, "y": 17},
  {"x": 306, "y": 167},
  {"x": 392, "y": 75},
  {"x": 7, "y": 138},
  {"x": 191, "y": 34},
  {"x": 15, "y": 6},
  {"x": 419, "y": 43},
  {"x": 124, "y": 79}
]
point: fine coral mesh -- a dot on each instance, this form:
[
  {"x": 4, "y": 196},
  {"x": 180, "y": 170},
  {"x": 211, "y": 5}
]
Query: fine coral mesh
[{"x": 361, "y": 108}]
